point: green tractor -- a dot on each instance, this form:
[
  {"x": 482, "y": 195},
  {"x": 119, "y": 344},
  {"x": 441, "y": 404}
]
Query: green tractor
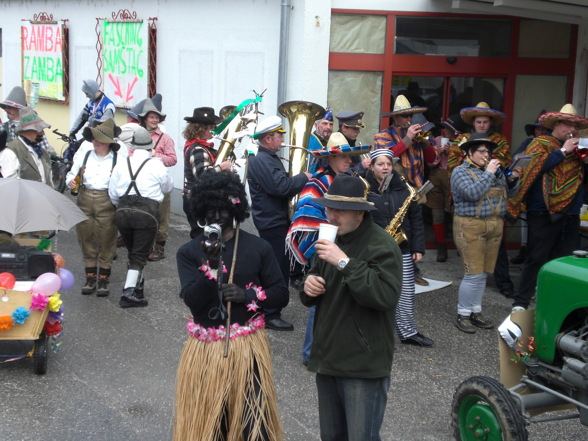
[{"x": 554, "y": 370}]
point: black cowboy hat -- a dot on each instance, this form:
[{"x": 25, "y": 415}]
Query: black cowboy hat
[
  {"x": 475, "y": 140},
  {"x": 204, "y": 115},
  {"x": 347, "y": 193}
]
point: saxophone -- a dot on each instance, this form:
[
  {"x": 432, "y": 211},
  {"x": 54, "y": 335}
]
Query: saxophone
[{"x": 393, "y": 228}]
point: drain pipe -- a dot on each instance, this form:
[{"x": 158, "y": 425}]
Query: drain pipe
[{"x": 284, "y": 41}]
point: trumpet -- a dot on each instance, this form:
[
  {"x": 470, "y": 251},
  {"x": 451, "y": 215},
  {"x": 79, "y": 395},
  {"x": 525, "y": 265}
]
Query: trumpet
[{"x": 421, "y": 136}]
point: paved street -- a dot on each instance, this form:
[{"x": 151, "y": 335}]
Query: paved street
[{"x": 113, "y": 377}]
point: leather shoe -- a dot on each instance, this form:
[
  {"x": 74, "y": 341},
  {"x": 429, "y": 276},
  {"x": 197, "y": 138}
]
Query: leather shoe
[
  {"x": 418, "y": 280},
  {"x": 278, "y": 324},
  {"x": 418, "y": 340}
]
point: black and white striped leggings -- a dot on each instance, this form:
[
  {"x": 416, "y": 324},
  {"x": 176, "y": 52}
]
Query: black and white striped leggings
[{"x": 405, "y": 321}]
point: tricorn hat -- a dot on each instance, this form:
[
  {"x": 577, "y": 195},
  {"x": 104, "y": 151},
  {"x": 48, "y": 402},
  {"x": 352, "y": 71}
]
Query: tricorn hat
[
  {"x": 338, "y": 145},
  {"x": 270, "y": 124},
  {"x": 567, "y": 113},
  {"x": 105, "y": 132},
  {"x": 30, "y": 120},
  {"x": 149, "y": 107},
  {"x": 141, "y": 139},
  {"x": 402, "y": 106},
  {"x": 204, "y": 115},
  {"x": 468, "y": 114},
  {"x": 17, "y": 98},
  {"x": 347, "y": 193},
  {"x": 476, "y": 139}
]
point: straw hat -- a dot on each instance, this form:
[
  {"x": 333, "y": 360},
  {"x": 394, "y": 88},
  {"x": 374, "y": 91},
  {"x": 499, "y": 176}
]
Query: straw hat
[
  {"x": 468, "y": 114},
  {"x": 338, "y": 145},
  {"x": 402, "y": 106},
  {"x": 567, "y": 113}
]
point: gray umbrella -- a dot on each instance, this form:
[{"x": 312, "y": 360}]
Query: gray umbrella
[{"x": 27, "y": 206}]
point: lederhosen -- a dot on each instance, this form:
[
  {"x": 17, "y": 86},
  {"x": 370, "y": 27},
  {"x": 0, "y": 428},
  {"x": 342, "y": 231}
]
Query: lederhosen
[{"x": 137, "y": 218}]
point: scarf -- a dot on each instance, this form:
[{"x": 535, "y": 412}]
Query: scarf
[{"x": 36, "y": 147}]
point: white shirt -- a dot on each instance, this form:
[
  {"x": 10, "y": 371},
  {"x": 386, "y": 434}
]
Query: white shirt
[
  {"x": 153, "y": 179},
  {"x": 97, "y": 172},
  {"x": 9, "y": 164}
]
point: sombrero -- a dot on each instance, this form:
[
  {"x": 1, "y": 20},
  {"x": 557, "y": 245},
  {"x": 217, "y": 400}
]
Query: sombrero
[
  {"x": 482, "y": 109},
  {"x": 337, "y": 145},
  {"x": 402, "y": 106},
  {"x": 567, "y": 113}
]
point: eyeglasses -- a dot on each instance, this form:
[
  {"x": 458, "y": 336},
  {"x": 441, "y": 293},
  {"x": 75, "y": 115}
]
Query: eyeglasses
[{"x": 484, "y": 151}]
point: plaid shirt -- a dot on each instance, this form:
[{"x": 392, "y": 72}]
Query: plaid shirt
[{"x": 468, "y": 191}]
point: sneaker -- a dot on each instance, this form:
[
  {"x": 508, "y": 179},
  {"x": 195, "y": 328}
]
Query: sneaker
[
  {"x": 477, "y": 319},
  {"x": 518, "y": 308},
  {"x": 157, "y": 253},
  {"x": 103, "y": 290},
  {"x": 418, "y": 280},
  {"x": 464, "y": 325},
  {"x": 90, "y": 285}
]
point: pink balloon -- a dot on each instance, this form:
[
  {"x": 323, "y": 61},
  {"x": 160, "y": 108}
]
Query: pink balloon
[
  {"x": 67, "y": 279},
  {"x": 46, "y": 284}
]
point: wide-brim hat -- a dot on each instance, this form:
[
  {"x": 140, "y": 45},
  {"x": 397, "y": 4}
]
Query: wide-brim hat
[
  {"x": 426, "y": 126},
  {"x": 455, "y": 124},
  {"x": 402, "y": 106},
  {"x": 481, "y": 109},
  {"x": 337, "y": 145},
  {"x": 30, "y": 120},
  {"x": 351, "y": 118},
  {"x": 17, "y": 98},
  {"x": 476, "y": 139},
  {"x": 204, "y": 115},
  {"x": 347, "y": 193},
  {"x": 142, "y": 139},
  {"x": 530, "y": 128},
  {"x": 270, "y": 124},
  {"x": 136, "y": 109},
  {"x": 105, "y": 132},
  {"x": 567, "y": 113},
  {"x": 149, "y": 107}
]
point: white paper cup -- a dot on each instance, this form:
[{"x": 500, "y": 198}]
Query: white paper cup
[
  {"x": 327, "y": 231},
  {"x": 444, "y": 141}
]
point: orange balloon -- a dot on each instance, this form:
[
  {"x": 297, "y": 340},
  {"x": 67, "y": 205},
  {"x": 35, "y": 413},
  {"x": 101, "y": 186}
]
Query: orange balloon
[{"x": 59, "y": 261}]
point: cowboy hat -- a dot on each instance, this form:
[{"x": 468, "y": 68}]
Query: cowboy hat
[
  {"x": 567, "y": 113},
  {"x": 402, "y": 106},
  {"x": 105, "y": 132},
  {"x": 468, "y": 114},
  {"x": 347, "y": 193},
  {"x": 204, "y": 115},
  {"x": 475, "y": 140},
  {"x": 30, "y": 120},
  {"x": 338, "y": 145}
]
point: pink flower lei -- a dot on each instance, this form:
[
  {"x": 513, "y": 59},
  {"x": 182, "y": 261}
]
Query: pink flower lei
[
  {"x": 214, "y": 334},
  {"x": 211, "y": 273}
]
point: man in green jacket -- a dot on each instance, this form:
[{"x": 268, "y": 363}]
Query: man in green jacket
[{"x": 355, "y": 284}]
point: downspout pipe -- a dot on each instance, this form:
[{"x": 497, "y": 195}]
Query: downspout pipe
[{"x": 286, "y": 8}]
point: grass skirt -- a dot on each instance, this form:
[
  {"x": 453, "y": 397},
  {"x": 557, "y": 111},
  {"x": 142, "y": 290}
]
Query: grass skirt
[{"x": 213, "y": 391}]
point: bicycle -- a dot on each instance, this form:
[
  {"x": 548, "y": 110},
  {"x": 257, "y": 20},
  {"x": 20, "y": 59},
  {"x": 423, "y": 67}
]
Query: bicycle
[{"x": 60, "y": 166}]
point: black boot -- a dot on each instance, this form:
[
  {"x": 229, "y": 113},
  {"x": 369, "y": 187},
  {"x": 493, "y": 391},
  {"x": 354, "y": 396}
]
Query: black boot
[
  {"x": 90, "y": 285},
  {"x": 103, "y": 281},
  {"x": 441, "y": 252}
]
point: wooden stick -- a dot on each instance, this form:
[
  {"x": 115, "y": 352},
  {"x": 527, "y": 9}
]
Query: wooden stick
[{"x": 232, "y": 273}]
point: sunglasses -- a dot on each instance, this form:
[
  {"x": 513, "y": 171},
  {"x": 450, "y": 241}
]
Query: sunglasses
[{"x": 405, "y": 115}]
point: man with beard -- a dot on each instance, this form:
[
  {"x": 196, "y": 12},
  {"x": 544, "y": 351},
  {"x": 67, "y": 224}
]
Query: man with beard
[
  {"x": 35, "y": 163},
  {"x": 319, "y": 138},
  {"x": 552, "y": 195}
]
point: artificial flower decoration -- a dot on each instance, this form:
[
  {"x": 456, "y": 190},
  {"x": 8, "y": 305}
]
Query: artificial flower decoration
[
  {"x": 55, "y": 315},
  {"x": 20, "y": 315},
  {"x": 234, "y": 200},
  {"x": 214, "y": 334},
  {"x": 52, "y": 329},
  {"x": 55, "y": 302},
  {"x": 211, "y": 273},
  {"x": 39, "y": 302},
  {"x": 253, "y": 306},
  {"x": 259, "y": 292},
  {"x": 6, "y": 322}
]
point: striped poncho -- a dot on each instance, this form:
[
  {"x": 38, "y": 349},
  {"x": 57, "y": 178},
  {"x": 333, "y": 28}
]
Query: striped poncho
[
  {"x": 303, "y": 231},
  {"x": 559, "y": 185},
  {"x": 501, "y": 152}
]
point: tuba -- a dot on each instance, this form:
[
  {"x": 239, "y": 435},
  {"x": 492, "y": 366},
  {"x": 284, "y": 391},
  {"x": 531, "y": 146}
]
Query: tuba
[
  {"x": 301, "y": 116},
  {"x": 229, "y": 135}
]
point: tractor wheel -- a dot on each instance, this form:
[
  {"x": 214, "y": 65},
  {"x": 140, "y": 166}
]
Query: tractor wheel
[{"x": 484, "y": 410}]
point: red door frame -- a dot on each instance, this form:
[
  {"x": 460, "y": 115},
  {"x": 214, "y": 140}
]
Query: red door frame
[{"x": 506, "y": 67}]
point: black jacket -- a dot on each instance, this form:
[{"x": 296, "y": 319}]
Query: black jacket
[{"x": 388, "y": 205}]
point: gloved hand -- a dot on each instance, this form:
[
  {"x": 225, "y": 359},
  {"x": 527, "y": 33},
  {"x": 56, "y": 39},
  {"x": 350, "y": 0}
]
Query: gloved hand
[
  {"x": 232, "y": 293},
  {"x": 212, "y": 249}
]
